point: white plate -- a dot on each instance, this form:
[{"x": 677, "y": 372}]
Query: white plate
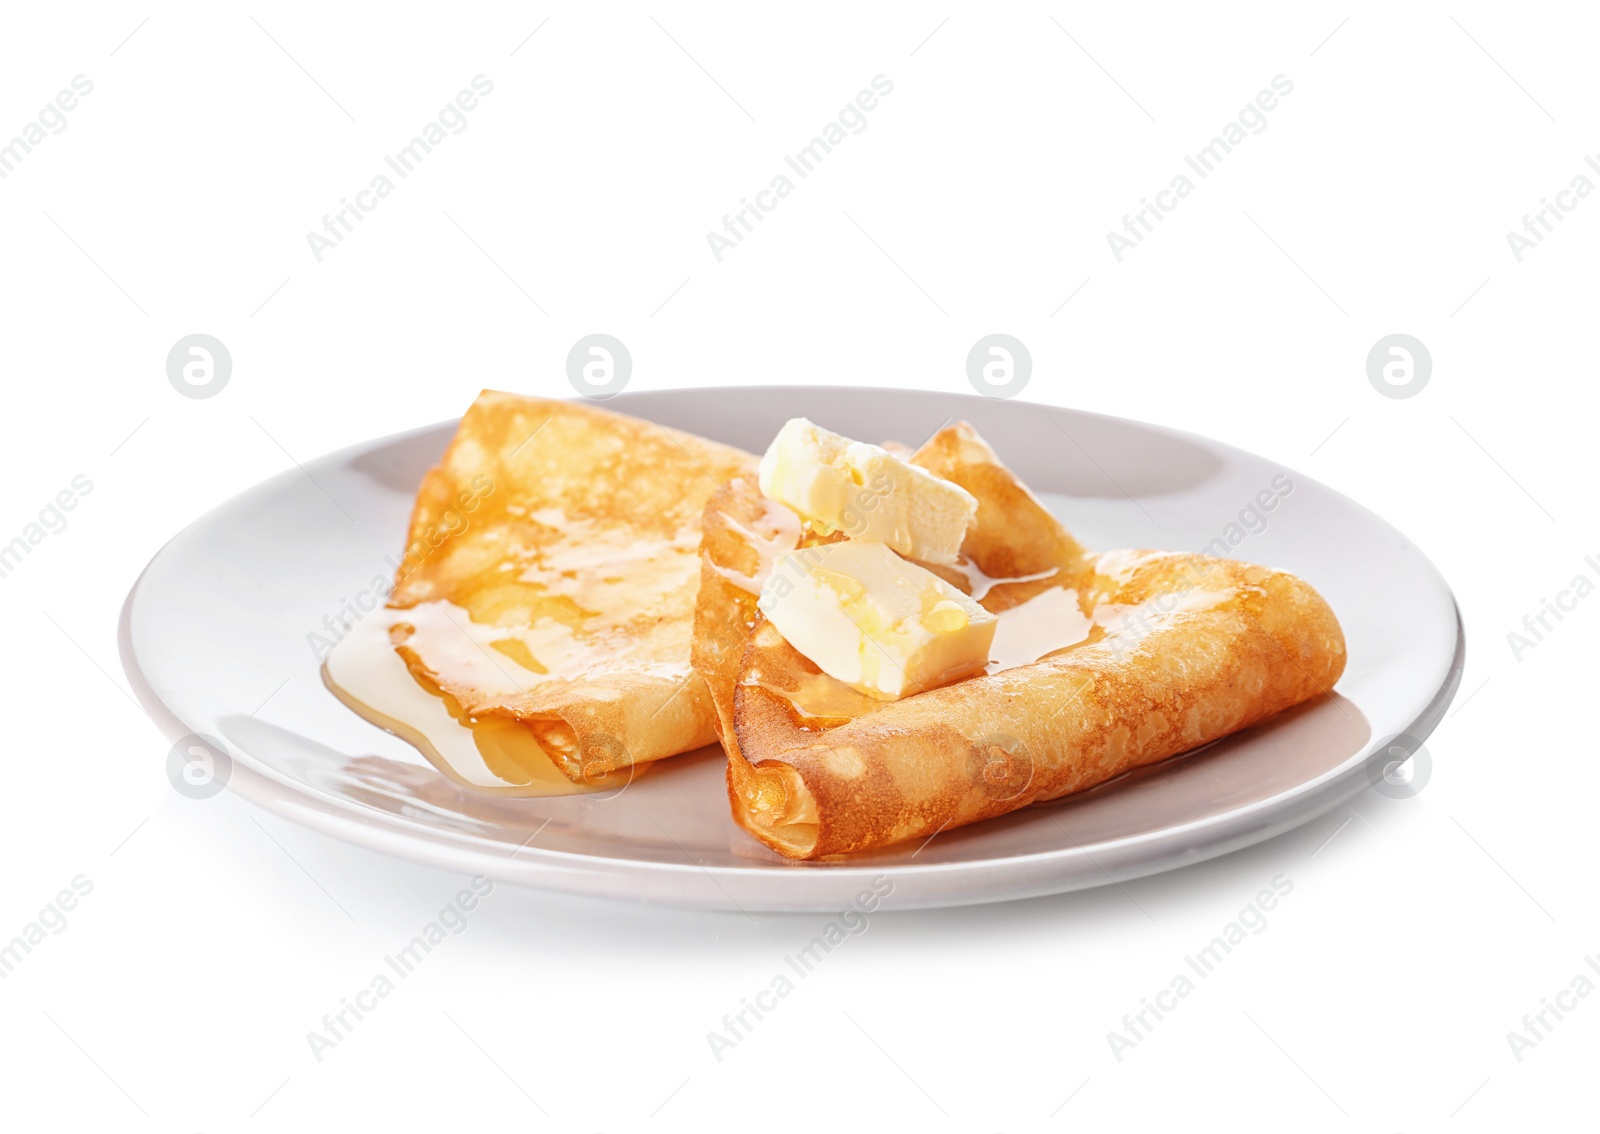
[{"x": 220, "y": 620}]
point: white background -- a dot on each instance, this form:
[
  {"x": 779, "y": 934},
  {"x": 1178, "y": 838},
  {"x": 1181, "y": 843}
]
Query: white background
[{"x": 978, "y": 199}]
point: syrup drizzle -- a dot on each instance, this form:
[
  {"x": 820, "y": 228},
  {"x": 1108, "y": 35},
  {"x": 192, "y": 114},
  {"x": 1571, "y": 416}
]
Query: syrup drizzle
[{"x": 490, "y": 754}]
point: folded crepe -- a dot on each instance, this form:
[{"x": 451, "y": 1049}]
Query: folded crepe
[
  {"x": 550, "y": 578},
  {"x": 1104, "y": 663}
]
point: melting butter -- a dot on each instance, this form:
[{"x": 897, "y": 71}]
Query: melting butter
[
  {"x": 815, "y": 700},
  {"x": 503, "y": 661},
  {"x": 979, "y": 585},
  {"x": 1053, "y": 621},
  {"x": 1049, "y": 622},
  {"x": 784, "y": 527},
  {"x": 1139, "y": 620},
  {"x": 490, "y": 754}
]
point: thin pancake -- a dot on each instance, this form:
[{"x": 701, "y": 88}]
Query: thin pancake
[
  {"x": 551, "y": 573},
  {"x": 1166, "y": 653}
]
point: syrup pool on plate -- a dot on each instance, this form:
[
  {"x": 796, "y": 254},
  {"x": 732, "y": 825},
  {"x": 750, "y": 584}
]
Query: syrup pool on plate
[{"x": 490, "y": 754}]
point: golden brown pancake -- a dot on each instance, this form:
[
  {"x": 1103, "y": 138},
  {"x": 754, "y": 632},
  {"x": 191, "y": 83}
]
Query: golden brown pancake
[
  {"x": 550, "y": 577},
  {"x": 1148, "y": 654}
]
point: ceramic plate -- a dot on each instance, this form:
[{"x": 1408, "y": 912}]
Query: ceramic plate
[{"x": 217, "y": 637}]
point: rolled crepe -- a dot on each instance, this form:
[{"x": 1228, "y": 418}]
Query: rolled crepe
[
  {"x": 1145, "y": 655},
  {"x": 550, "y": 577}
]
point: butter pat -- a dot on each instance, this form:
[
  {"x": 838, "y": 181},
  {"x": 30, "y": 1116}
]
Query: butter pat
[
  {"x": 875, "y": 621},
  {"x": 868, "y": 493}
]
